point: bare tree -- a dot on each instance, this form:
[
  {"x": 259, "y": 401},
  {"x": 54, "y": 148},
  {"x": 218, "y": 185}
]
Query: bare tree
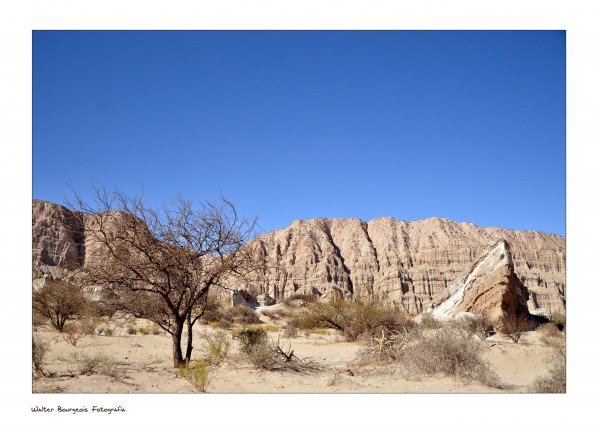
[{"x": 159, "y": 263}]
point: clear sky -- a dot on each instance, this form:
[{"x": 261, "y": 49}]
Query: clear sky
[{"x": 466, "y": 125}]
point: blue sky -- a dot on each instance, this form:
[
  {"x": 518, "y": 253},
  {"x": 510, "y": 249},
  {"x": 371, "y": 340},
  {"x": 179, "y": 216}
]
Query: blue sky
[{"x": 466, "y": 125}]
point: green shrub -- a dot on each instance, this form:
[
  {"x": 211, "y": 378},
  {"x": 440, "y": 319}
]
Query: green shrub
[
  {"x": 149, "y": 329},
  {"x": 196, "y": 375},
  {"x": 250, "y": 337}
]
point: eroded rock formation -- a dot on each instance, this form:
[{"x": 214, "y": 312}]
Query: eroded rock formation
[
  {"x": 489, "y": 288},
  {"x": 405, "y": 263}
]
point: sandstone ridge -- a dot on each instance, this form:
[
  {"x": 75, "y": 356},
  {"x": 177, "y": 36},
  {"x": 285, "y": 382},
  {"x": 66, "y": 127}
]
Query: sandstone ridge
[{"x": 405, "y": 263}]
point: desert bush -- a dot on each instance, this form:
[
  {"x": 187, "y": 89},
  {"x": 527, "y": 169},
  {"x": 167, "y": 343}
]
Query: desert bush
[
  {"x": 290, "y": 331},
  {"x": 59, "y": 302},
  {"x": 429, "y": 321},
  {"x": 77, "y": 330},
  {"x": 38, "y": 354},
  {"x": 475, "y": 326},
  {"x": 216, "y": 345},
  {"x": 448, "y": 351},
  {"x": 353, "y": 319},
  {"x": 242, "y": 315},
  {"x": 131, "y": 330},
  {"x": 550, "y": 331},
  {"x": 334, "y": 378},
  {"x": 516, "y": 325},
  {"x": 268, "y": 355},
  {"x": 561, "y": 321},
  {"x": 109, "y": 332},
  {"x": 223, "y": 323},
  {"x": 196, "y": 375},
  {"x": 84, "y": 363},
  {"x": 250, "y": 337},
  {"x": 270, "y": 328},
  {"x": 388, "y": 348},
  {"x": 262, "y": 355},
  {"x": 149, "y": 329},
  {"x": 556, "y": 379},
  {"x": 299, "y": 300}
]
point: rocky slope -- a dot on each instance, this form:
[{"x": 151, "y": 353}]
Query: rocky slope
[
  {"x": 406, "y": 263},
  {"x": 57, "y": 240}
]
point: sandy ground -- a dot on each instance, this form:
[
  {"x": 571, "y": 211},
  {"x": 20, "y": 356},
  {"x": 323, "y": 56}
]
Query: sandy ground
[{"x": 143, "y": 364}]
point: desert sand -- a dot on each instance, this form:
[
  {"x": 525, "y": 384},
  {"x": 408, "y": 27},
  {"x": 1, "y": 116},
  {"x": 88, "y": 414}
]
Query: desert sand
[{"x": 142, "y": 363}]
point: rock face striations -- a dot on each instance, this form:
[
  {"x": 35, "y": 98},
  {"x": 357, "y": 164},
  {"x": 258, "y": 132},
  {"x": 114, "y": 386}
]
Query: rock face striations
[
  {"x": 489, "y": 288},
  {"x": 57, "y": 240},
  {"x": 405, "y": 263}
]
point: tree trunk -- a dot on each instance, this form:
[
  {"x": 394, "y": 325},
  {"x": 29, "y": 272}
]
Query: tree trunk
[
  {"x": 177, "y": 355},
  {"x": 188, "y": 351}
]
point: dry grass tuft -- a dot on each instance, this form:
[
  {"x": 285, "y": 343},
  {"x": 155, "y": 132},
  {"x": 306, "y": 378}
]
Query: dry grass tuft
[
  {"x": 196, "y": 375},
  {"x": 556, "y": 379}
]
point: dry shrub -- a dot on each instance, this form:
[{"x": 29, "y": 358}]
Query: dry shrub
[
  {"x": 475, "y": 326},
  {"x": 219, "y": 317},
  {"x": 243, "y": 315},
  {"x": 75, "y": 331},
  {"x": 354, "y": 319},
  {"x": 561, "y": 321},
  {"x": 94, "y": 363},
  {"x": 387, "y": 348},
  {"x": 196, "y": 375},
  {"x": 290, "y": 331},
  {"x": 556, "y": 379},
  {"x": 269, "y": 355},
  {"x": 516, "y": 325},
  {"x": 217, "y": 346},
  {"x": 449, "y": 351},
  {"x": 296, "y": 300},
  {"x": 39, "y": 351},
  {"x": 148, "y": 329},
  {"x": 549, "y": 331},
  {"x": 429, "y": 321}
]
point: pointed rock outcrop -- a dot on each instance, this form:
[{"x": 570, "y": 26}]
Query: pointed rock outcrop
[{"x": 489, "y": 288}]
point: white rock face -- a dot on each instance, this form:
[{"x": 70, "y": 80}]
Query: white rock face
[
  {"x": 497, "y": 257},
  {"x": 490, "y": 288}
]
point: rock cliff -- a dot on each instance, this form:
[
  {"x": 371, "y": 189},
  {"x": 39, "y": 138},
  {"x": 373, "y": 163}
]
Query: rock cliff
[
  {"x": 406, "y": 263},
  {"x": 489, "y": 288}
]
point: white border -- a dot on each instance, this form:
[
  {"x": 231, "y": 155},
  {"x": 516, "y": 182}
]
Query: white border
[{"x": 579, "y": 18}]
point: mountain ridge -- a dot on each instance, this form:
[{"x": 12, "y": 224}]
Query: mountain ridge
[{"x": 405, "y": 263}]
